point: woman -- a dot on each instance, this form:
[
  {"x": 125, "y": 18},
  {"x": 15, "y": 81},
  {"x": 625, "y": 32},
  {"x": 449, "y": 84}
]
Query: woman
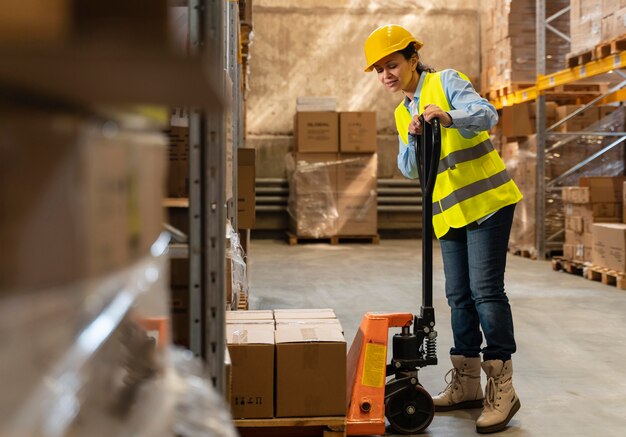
[{"x": 473, "y": 204}]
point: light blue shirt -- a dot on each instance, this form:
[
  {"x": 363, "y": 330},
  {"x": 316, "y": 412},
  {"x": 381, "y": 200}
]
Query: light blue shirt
[{"x": 470, "y": 113}]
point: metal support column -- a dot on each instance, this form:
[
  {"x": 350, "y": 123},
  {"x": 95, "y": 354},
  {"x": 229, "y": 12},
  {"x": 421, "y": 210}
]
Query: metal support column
[
  {"x": 234, "y": 72},
  {"x": 196, "y": 136},
  {"x": 540, "y": 204},
  {"x": 213, "y": 200}
]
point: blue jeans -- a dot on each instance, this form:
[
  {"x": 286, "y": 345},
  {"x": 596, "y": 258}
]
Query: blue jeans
[{"x": 474, "y": 260}]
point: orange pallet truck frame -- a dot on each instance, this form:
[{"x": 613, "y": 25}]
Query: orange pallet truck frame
[{"x": 401, "y": 399}]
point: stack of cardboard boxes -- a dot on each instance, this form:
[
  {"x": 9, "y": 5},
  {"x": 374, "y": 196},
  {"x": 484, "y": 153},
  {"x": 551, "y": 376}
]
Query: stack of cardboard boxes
[
  {"x": 79, "y": 201},
  {"x": 508, "y": 42},
  {"x": 286, "y": 363},
  {"x": 597, "y": 199},
  {"x": 595, "y": 21},
  {"x": 333, "y": 174},
  {"x": 520, "y": 156},
  {"x": 609, "y": 240},
  {"x": 613, "y": 19}
]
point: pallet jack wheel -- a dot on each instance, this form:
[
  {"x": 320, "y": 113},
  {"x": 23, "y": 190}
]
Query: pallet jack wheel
[{"x": 410, "y": 411}]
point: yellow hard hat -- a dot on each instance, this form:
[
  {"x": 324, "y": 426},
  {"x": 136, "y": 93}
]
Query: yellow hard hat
[{"x": 386, "y": 40}]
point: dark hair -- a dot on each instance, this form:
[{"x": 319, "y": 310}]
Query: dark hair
[{"x": 409, "y": 51}]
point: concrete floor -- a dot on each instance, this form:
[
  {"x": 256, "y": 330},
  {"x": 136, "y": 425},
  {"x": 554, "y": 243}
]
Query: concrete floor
[{"x": 570, "y": 332}]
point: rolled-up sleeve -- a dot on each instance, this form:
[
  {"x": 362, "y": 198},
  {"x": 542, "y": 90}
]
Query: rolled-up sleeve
[
  {"x": 469, "y": 110},
  {"x": 406, "y": 158}
]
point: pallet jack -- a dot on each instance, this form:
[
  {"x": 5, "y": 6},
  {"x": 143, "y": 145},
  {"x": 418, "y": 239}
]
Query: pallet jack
[{"x": 402, "y": 399}]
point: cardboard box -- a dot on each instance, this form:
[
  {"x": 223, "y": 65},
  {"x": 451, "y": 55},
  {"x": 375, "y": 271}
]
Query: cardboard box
[
  {"x": 611, "y": 6},
  {"x": 76, "y": 202},
  {"x": 309, "y": 323},
  {"x": 575, "y": 194},
  {"x": 314, "y": 173},
  {"x": 313, "y": 214},
  {"x": 624, "y": 203},
  {"x": 357, "y": 132},
  {"x": 324, "y": 313},
  {"x": 579, "y": 122},
  {"x": 251, "y": 349},
  {"x": 179, "y": 307},
  {"x": 604, "y": 189},
  {"x": 246, "y": 191},
  {"x": 39, "y": 22},
  {"x": 357, "y": 174},
  {"x": 577, "y": 252},
  {"x": 237, "y": 316},
  {"x": 317, "y": 131},
  {"x": 609, "y": 245},
  {"x": 178, "y": 169},
  {"x": 358, "y": 215},
  {"x": 310, "y": 372},
  {"x": 516, "y": 121}
]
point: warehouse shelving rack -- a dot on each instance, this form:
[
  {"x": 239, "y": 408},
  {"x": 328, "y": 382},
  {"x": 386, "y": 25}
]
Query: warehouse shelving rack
[
  {"x": 213, "y": 141},
  {"x": 612, "y": 63}
]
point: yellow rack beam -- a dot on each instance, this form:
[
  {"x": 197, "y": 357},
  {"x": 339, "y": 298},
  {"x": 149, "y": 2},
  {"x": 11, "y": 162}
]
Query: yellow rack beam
[{"x": 564, "y": 77}]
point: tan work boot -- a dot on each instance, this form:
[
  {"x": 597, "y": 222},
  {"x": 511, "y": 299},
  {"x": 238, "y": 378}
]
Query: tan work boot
[
  {"x": 501, "y": 402},
  {"x": 463, "y": 390}
]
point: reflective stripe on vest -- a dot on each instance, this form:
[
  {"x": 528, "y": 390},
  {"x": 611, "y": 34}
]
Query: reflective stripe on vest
[
  {"x": 464, "y": 155},
  {"x": 471, "y": 190},
  {"x": 472, "y": 180}
]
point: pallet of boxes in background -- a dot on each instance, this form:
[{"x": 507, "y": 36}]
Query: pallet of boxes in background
[{"x": 333, "y": 175}]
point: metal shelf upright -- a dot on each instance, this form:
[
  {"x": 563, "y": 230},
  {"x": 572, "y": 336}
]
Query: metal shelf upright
[{"x": 213, "y": 139}]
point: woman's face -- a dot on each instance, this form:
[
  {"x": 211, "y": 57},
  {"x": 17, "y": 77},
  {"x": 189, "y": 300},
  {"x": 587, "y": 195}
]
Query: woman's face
[{"x": 395, "y": 72}]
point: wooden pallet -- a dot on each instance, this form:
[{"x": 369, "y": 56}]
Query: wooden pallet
[
  {"x": 524, "y": 253},
  {"x": 602, "y": 50},
  {"x": 292, "y": 427},
  {"x": 334, "y": 240},
  {"x": 606, "y": 276},
  {"x": 242, "y": 302},
  {"x": 610, "y": 47},
  {"x": 502, "y": 91},
  {"x": 573, "y": 267},
  {"x": 575, "y": 59}
]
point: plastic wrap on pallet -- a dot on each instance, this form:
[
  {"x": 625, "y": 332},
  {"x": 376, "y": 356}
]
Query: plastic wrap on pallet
[
  {"x": 236, "y": 256},
  {"x": 200, "y": 411},
  {"x": 312, "y": 204},
  {"x": 333, "y": 194},
  {"x": 520, "y": 158},
  {"x": 94, "y": 359}
]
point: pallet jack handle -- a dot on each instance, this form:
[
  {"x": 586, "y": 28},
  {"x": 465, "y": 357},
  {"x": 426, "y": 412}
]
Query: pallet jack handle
[{"x": 427, "y": 153}]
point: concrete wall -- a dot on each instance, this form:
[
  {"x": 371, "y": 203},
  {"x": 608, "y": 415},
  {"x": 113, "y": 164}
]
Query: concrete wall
[{"x": 315, "y": 48}]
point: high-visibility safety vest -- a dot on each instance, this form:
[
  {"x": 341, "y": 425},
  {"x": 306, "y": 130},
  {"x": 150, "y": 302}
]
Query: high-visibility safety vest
[{"x": 472, "y": 181}]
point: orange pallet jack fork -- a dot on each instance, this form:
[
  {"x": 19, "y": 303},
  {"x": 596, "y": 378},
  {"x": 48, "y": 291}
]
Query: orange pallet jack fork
[{"x": 401, "y": 399}]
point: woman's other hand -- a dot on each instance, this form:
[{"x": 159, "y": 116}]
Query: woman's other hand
[{"x": 434, "y": 111}]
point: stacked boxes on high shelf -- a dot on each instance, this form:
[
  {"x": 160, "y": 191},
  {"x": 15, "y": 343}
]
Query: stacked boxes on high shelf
[
  {"x": 519, "y": 154},
  {"x": 595, "y": 21},
  {"x": 597, "y": 199},
  {"x": 286, "y": 363},
  {"x": 508, "y": 42},
  {"x": 333, "y": 172}
]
